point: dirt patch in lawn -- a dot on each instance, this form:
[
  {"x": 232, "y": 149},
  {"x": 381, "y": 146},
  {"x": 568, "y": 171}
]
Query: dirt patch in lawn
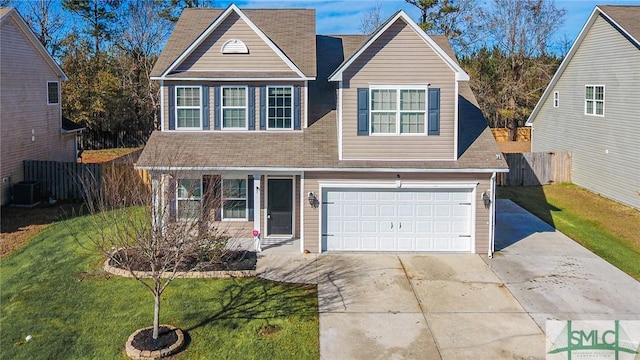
[
  {"x": 106, "y": 155},
  {"x": 19, "y": 225}
]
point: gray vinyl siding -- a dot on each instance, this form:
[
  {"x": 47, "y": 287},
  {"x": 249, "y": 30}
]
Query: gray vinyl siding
[
  {"x": 24, "y": 111},
  {"x": 399, "y": 56},
  {"x": 209, "y": 57},
  {"x": 605, "y": 149},
  {"x": 256, "y": 84},
  {"x": 312, "y": 237}
]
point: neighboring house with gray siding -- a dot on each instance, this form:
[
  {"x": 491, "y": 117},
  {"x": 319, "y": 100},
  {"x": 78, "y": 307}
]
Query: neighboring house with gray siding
[
  {"x": 346, "y": 142},
  {"x": 30, "y": 104},
  {"x": 592, "y": 106}
]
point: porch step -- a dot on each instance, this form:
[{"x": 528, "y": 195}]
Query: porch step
[{"x": 276, "y": 241}]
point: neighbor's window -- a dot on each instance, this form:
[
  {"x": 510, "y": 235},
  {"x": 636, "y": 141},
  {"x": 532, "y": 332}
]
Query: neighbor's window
[
  {"x": 189, "y": 198},
  {"x": 234, "y": 107},
  {"x": 188, "y": 107},
  {"x": 234, "y": 199},
  {"x": 398, "y": 111},
  {"x": 556, "y": 99},
  {"x": 280, "y": 107},
  {"x": 53, "y": 94},
  {"x": 594, "y": 100}
]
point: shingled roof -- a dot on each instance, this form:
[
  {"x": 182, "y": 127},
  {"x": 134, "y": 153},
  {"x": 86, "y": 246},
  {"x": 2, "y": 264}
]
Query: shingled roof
[
  {"x": 316, "y": 147},
  {"x": 291, "y": 30},
  {"x": 628, "y": 17}
]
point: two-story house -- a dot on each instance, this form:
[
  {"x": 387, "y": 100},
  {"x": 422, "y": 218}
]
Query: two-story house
[
  {"x": 591, "y": 106},
  {"x": 349, "y": 143},
  {"x": 31, "y": 119}
]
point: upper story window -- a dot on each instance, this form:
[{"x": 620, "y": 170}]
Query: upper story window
[
  {"x": 234, "y": 199},
  {"x": 188, "y": 107},
  {"x": 594, "y": 100},
  {"x": 279, "y": 107},
  {"x": 189, "y": 198},
  {"x": 556, "y": 99},
  {"x": 234, "y": 108},
  {"x": 53, "y": 92},
  {"x": 398, "y": 110}
]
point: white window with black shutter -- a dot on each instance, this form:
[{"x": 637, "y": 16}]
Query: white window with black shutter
[
  {"x": 213, "y": 198},
  {"x": 280, "y": 107},
  {"x": 398, "y": 110},
  {"x": 188, "y": 199},
  {"x": 188, "y": 107}
]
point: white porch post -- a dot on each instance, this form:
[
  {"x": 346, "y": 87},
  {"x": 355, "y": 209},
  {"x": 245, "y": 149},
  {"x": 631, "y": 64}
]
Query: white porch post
[
  {"x": 256, "y": 211},
  {"x": 155, "y": 191}
]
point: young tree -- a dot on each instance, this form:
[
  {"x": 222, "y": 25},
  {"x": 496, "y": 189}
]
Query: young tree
[{"x": 138, "y": 228}]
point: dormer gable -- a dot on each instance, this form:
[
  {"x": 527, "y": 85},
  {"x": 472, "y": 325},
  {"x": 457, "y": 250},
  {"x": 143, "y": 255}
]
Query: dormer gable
[
  {"x": 235, "y": 46},
  {"x": 460, "y": 74}
]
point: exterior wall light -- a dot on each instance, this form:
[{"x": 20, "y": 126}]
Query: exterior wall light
[
  {"x": 486, "y": 199},
  {"x": 313, "y": 200}
]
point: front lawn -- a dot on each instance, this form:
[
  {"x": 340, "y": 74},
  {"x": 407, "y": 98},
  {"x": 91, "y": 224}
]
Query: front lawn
[
  {"x": 55, "y": 291},
  {"x": 609, "y": 229}
]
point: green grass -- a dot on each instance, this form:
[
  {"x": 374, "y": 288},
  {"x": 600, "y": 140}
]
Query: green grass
[
  {"x": 53, "y": 289},
  {"x": 609, "y": 229}
]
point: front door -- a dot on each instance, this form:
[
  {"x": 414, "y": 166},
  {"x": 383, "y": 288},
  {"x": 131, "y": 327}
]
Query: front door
[{"x": 280, "y": 207}]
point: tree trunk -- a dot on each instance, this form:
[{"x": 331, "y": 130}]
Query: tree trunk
[{"x": 156, "y": 315}]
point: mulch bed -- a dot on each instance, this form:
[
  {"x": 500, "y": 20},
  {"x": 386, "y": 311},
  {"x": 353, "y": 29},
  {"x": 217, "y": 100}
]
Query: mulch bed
[
  {"x": 232, "y": 260},
  {"x": 144, "y": 339}
]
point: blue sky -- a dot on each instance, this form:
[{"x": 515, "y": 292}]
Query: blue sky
[{"x": 343, "y": 17}]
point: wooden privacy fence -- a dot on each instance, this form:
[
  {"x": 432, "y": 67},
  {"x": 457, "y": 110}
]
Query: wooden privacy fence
[
  {"x": 64, "y": 180},
  {"x": 538, "y": 168}
]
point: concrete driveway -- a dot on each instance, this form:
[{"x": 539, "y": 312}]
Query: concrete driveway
[
  {"x": 403, "y": 306},
  {"x": 553, "y": 277},
  {"x": 458, "y": 306}
]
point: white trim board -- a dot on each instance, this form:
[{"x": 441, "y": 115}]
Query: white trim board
[
  {"x": 289, "y": 170},
  {"x": 263, "y": 79}
]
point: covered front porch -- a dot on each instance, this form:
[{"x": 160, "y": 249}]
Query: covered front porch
[{"x": 254, "y": 209}]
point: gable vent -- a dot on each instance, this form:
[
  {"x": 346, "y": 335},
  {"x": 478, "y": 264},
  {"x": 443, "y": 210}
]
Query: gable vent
[{"x": 234, "y": 46}]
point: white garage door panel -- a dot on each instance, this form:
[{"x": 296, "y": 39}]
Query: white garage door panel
[{"x": 397, "y": 220}]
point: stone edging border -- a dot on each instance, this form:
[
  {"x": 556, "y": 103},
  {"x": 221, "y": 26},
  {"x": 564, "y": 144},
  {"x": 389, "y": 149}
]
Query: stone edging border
[
  {"x": 134, "y": 353},
  {"x": 180, "y": 274}
]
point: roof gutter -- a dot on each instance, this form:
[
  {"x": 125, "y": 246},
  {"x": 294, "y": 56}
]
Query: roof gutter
[
  {"x": 298, "y": 169},
  {"x": 164, "y": 78}
]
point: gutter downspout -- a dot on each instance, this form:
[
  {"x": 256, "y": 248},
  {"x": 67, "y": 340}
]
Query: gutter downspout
[{"x": 492, "y": 217}]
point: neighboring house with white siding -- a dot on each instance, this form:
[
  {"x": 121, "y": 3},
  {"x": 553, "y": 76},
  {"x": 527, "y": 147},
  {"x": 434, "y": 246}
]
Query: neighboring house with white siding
[
  {"x": 346, "y": 142},
  {"x": 30, "y": 104},
  {"x": 592, "y": 106}
]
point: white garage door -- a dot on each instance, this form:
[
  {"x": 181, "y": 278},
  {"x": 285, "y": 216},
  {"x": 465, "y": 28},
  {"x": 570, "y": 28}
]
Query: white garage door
[{"x": 397, "y": 220}]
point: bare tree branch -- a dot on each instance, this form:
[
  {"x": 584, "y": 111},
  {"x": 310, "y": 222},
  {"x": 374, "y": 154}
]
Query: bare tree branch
[{"x": 371, "y": 20}]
